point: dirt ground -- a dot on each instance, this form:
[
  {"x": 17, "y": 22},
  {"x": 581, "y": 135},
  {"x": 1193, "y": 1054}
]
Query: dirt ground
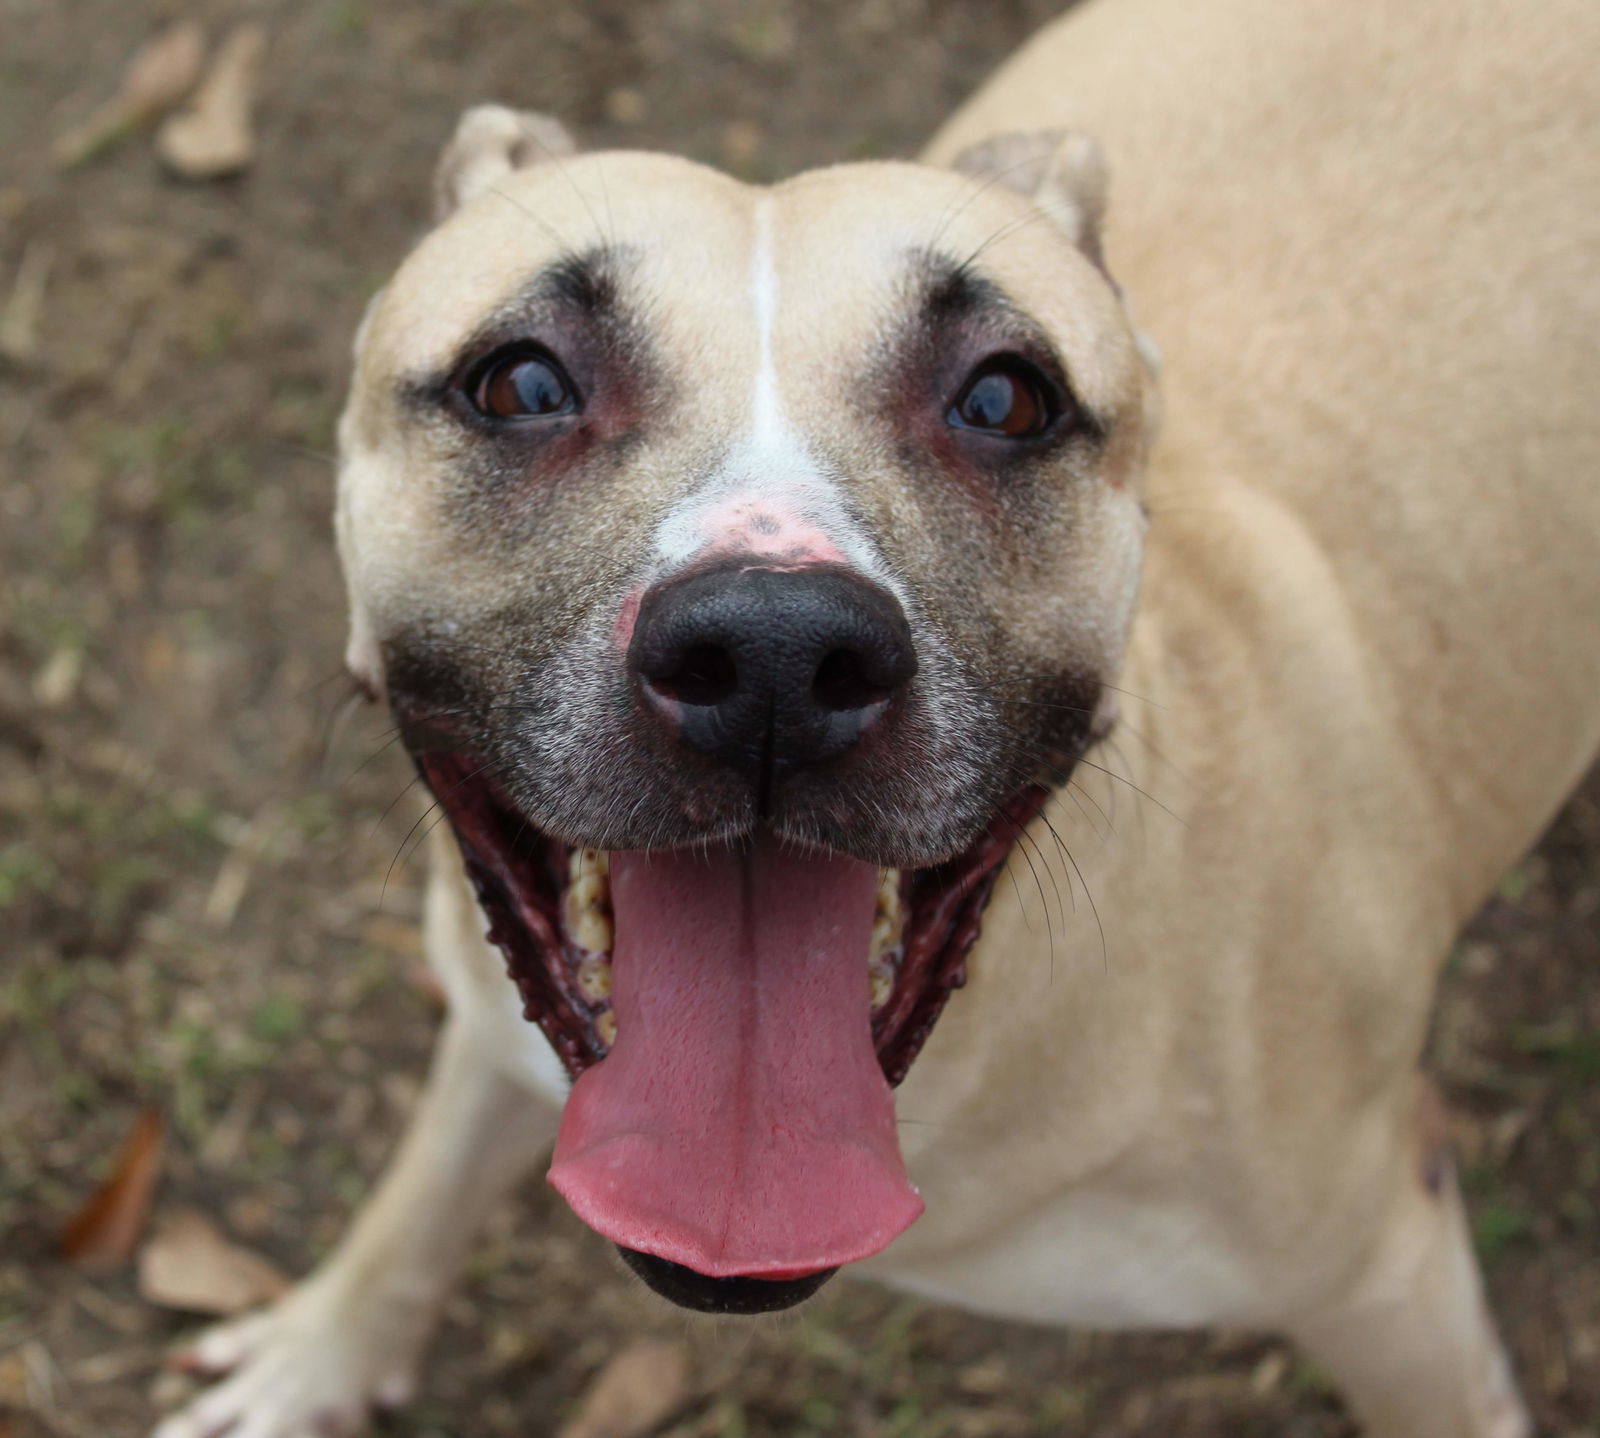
[{"x": 201, "y": 905}]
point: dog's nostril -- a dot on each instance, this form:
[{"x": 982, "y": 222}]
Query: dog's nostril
[
  {"x": 841, "y": 683},
  {"x": 705, "y": 674}
]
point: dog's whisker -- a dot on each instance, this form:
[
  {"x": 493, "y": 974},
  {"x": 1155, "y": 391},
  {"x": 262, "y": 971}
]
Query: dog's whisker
[
  {"x": 539, "y": 220},
  {"x": 1105, "y": 953},
  {"x": 438, "y": 803},
  {"x": 973, "y": 189}
]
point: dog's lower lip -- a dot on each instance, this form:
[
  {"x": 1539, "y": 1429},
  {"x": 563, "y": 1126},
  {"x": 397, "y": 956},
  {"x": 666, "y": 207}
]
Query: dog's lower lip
[{"x": 767, "y": 1293}]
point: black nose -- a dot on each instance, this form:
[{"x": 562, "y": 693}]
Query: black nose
[
  {"x": 771, "y": 670},
  {"x": 689, "y": 1289}
]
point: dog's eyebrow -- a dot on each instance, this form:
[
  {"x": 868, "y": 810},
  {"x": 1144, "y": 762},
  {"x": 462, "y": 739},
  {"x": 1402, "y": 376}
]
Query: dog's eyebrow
[
  {"x": 951, "y": 289},
  {"x": 949, "y": 294},
  {"x": 587, "y": 282},
  {"x": 578, "y": 287}
]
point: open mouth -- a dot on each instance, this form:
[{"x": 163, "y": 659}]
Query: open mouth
[{"x": 734, "y": 1017}]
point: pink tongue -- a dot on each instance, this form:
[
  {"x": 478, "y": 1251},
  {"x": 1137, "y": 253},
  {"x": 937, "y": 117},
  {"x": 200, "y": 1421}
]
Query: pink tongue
[{"x": 740, "y": 1124}]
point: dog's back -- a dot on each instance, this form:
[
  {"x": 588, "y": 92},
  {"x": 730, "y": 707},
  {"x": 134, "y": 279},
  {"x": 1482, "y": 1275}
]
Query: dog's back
[{"x": 1366, "y": 237}]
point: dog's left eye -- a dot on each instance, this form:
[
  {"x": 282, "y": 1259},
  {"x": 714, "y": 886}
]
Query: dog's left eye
[
  {"x": 522, "y": 385},
  {"x": 1006, "y": 396}
]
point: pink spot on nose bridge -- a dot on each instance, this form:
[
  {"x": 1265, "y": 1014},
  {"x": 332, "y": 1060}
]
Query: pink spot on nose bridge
[
  {"x": 765, "y": 529},
  {"x": 746, "y": 526}
]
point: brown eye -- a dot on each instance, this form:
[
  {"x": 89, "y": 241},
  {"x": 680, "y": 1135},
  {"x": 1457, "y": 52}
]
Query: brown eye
[
  {"x": 1006, "y": 397},
  {"x": 523, "y": 386}
]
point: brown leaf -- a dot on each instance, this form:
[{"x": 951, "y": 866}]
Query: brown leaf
[
  {"x": 212, "y": 137},
  {"x": 188, "y": 1264},
  {"x": 101, "y": 1236},
  {"x": 20, "y": 1423},
  {"x": 634, "y": 1392},
  {"x": 158, "y": 77}
]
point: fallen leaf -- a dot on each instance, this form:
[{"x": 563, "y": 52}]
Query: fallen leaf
[
  {"x": 211, "y": 136},
  {"x": 20, "y": 1423},
  {"x": 158, "y": 77},
  {"x": 56, "y": 683},
  {"x": 102, "y": 1235},
  {"x": 987, "y": 1377},
  {"x": 188, "y": 1264},
  {"x": 24, "y": 308},
  {"x": 238, "y": 868},
  {"x": 634, "y": 1392}
]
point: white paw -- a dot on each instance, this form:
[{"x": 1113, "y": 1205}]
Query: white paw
[
  {"x": 1507, "y": 1416},
  {"x": 314, "y": 1366}
]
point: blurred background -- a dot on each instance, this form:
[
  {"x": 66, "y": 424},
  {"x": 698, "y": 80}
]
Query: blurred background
[{"x": 213, "y": 1020}]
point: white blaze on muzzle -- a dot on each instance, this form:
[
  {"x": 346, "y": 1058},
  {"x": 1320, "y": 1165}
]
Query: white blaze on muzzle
[{"x": 770, "y": 498}]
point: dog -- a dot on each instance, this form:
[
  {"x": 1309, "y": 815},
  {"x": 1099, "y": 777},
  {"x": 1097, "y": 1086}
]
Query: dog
[{"x": 764, "y": 579}]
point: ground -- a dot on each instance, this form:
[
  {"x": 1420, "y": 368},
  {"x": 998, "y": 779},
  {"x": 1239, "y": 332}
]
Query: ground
[{"x": 206, "y": 889}]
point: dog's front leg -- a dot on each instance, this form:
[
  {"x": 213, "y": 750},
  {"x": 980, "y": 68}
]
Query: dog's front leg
[
  {"x": 349, "y": 1338},
  {"x": 1410, "y": 1341}
]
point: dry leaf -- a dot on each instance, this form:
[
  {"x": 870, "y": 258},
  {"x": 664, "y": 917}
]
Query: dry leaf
[
  {"x": 102, "y": 1235},
  {"x": 23, "y": 313},
  {"x": 158, "y": 77},
  {"x": 56, "y": 683},
  {"x": 188, "y": 1264},
  {"x": 634, "y": 1392},
  {"x": 20, "y": 1423},
  {"x": 211, "y": 137}
]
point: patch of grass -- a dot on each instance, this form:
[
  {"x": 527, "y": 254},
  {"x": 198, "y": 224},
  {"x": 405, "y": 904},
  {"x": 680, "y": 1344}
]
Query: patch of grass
[
  {"x": 1573, "y": 1052},
  {"x": 77, "y": 516},
  {"x": 1500, "y": 1226},
  {"x": 1308, "y": 1378},
  {"x": 24, "y": 871},
  {"x": 347, "y": 17},
  {"x": 1061, "y": 1406},
  {"x": 1514, "y": 887},
  {"x": 277, "y": 1018}
]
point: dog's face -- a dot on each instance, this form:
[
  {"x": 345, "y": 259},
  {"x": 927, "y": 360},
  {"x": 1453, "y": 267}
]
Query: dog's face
[{"x": 796, "y": 528}]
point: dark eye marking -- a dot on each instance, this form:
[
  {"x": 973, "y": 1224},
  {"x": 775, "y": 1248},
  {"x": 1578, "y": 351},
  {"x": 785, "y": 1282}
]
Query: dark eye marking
[
  {"x": 520, "y": 383},
  {"x": 1012, "y": 398}
]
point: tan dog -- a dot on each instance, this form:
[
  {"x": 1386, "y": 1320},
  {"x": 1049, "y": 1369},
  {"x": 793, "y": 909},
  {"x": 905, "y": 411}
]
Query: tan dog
[{"x": 745, "y": 566}]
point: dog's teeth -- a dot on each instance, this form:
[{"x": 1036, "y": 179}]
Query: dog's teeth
[
  {"x": 588, "y": 861},
  {"x": 882, "y": 978},
  {"x": 588, "y": 906},
  {"x": 886, "y": 923},
  {"x": 594, "y": 979},
  {"x": 592, "y": 891},
  {"x": 605, "y": 1028},
  {"x": 590, "y": 929}
]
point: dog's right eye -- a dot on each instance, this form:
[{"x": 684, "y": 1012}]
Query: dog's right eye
[{"x": 521, "y": 385}]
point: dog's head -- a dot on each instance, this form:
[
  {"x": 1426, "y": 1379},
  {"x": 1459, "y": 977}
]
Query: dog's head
[{"x": 744, "y": 567}]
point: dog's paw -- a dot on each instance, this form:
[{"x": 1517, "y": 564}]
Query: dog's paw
[{"x": 311, "y": 1367}]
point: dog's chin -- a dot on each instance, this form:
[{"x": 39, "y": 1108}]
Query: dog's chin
[{"x": 740, "y": 1143}]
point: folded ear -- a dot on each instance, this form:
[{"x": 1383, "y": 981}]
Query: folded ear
[
  {"x": 489, "y": 143},
  {"x": 1062, "y": 171}
]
